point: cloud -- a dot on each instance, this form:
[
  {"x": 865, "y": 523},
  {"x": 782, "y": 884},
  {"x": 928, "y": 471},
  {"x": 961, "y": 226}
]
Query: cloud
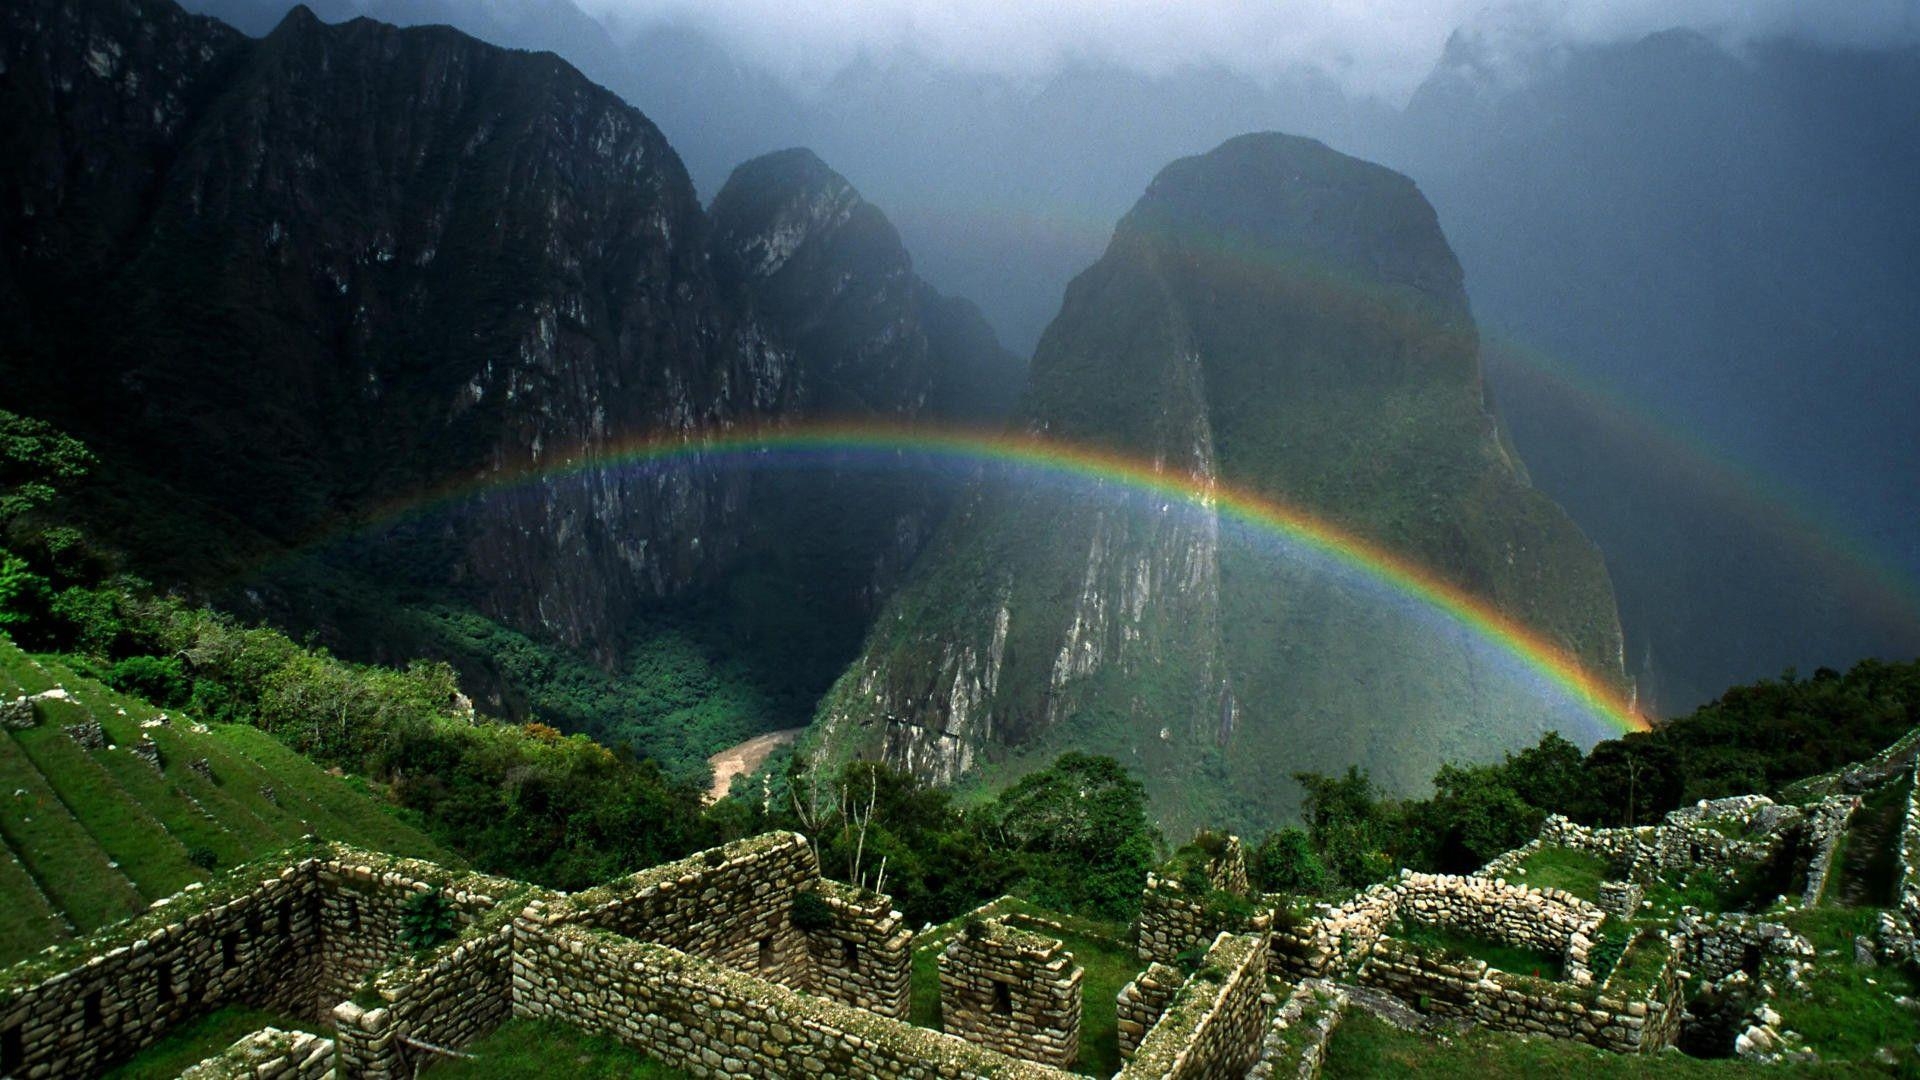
[{"x": 1381, "y": 48}]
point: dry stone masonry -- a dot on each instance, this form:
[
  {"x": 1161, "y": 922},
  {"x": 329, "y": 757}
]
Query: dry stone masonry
[
  {"x": 269, "y": 1054},
  {"x": 698, "y": 963},
  {"x": 1176, "y": 917},
  {"x": 18, "y": 714},
  {"x": 745, "y": 961},
  {"x": 1013, "y": 991}
]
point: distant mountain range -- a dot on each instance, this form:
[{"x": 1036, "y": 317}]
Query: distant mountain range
[{"x": 1706, "y": 254}]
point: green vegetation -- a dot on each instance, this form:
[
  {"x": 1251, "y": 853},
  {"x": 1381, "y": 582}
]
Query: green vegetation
[
  {"x": 1757, "y": 738},
  {"x": 1849, "y": 1011},
  {"x": 196, "y": 1040},
  {"x": 1363, "y": 1048},
  {"x": 1577, "y": 872},
  {"x": 1456, "y": 944},
  {"x": 93, "y": 836},
  {"x": 534, "y": 1049},
  {"x": 428, "y": 920}
]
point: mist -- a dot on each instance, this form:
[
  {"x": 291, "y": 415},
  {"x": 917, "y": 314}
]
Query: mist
[{"x": 1377, "y": 49}]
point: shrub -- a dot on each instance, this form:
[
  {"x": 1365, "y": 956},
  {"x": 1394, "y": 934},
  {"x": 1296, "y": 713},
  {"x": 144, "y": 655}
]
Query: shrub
[
  {"x": 427, "y": 920},
  {"x": 811, "y": 912},
  {"x": 1609, "y": 942},
  {"x": 203, "y": 857},
  {"x": 158, "y": 679}
]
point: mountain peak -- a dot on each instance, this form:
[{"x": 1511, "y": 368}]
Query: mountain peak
[{"x": 1289, "y": 200}]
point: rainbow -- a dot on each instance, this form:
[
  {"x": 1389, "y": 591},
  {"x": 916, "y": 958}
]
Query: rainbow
[{"x": 1076, "y": 462}]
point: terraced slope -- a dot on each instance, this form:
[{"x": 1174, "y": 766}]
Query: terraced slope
[{"x": 89, "y": 836}]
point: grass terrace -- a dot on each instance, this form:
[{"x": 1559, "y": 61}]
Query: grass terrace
[
  {"x": 1576, "y": 872},
  {"x": 92, "y": 836},
  {"x": 1850, "y": 1011},
  {"x": 531, "y": 1048},
  {"x": 1508, "y": 958},
  {"x": 1364, "y": 1048}
]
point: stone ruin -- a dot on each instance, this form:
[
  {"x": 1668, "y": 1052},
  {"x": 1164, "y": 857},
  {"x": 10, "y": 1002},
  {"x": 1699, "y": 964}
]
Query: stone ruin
[
  {"x": 717, "y": 966},
  {"x": 1014, "y": 991},
  {"x": 700, "y": 963}
]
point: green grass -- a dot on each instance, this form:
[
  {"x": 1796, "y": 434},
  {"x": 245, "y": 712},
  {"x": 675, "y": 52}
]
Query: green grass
[
  {"x": 1364, "y": 1048},
  {"x": 1850, "y": 1012},
  {"x": 1733, "y": 828},
  {"x": 57, "y": 849},
  {"x": 529, "y": 1048},
  {"x": 96, "y": 835},
  {"x": 144, "y": 849},
  {"x": 1577, "y": 872},
  {"x": 27, "y": 922},
  {"x": 1499, "y": 955},
  {"x": 1100, "y": 948},
  {"x": 195, "y": 1041}
]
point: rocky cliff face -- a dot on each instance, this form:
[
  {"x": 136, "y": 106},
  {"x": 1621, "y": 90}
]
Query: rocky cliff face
[
  {"x": 288, "y": 282},
  {"x": 828, "y": 269},
  {"x": 1282, "y": 318}
]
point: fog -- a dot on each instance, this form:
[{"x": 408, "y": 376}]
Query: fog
[{"x": 1381, "y": 48}]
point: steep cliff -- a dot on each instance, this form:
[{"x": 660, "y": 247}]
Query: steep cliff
[
  {"x": 287, "y": 285},
  {"x": 828, "y": 270},
  {"x": 1285, "y": 319}
]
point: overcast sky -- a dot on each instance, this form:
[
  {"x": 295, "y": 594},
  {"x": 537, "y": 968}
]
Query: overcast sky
[{"x": 1377, "y": 47}]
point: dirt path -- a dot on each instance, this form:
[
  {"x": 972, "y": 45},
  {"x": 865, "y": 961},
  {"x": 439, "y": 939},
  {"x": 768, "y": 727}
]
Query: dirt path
[{"x": 744, "y": 758}]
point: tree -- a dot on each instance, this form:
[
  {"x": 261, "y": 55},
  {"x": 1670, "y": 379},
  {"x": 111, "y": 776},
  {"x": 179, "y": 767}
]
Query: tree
[
  {"x": 36, "y": 462},
  {"x": 1082, "y": 831},
  {"x": 1285, "y": 862},
  {"x": 1348, "y": 826}
]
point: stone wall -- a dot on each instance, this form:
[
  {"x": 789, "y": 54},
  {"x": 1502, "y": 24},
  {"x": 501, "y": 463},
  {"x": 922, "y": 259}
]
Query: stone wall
[
  {"x": 1714, "y": 946},
  {"x": 269, "y": 1054},
  {"x": 1545, "y": 920},
  {"x": 1012, "y": 991},
  {"x": 1909, "y": 888},
  {"x": 1627, "y": 1017},
  {"x": 1213, "y": 1027},
  {"x": 362, "y": 897},
  {"x": 457, "y": 994},
  {"x": 1141, "y": 1002},
  {"x": 731, "y": 904},
  {"x": 1825, "y": 825},
  {"x": 1174, "y": 920},
  {"x": 865, "y": 957},
  {"x": 17, "y": 714},
  {"x": 250, "y": 937},
  {"x": 711, "y": 1021},
  {"x": 294, "y": 934},
  {"x": 1620, "y": 898},
  {"x": 1295, "y": 1046},
  {"x": 1433, "y": 983}
]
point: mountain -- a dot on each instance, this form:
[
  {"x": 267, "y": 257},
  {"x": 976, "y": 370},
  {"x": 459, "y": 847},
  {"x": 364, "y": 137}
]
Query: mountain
[
  {"x": 829, "y": 270},
  {"x": 1287, "y": 320},
  {"x": 290, "y": 286},
  {"x": 1699, "y": 263}
]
